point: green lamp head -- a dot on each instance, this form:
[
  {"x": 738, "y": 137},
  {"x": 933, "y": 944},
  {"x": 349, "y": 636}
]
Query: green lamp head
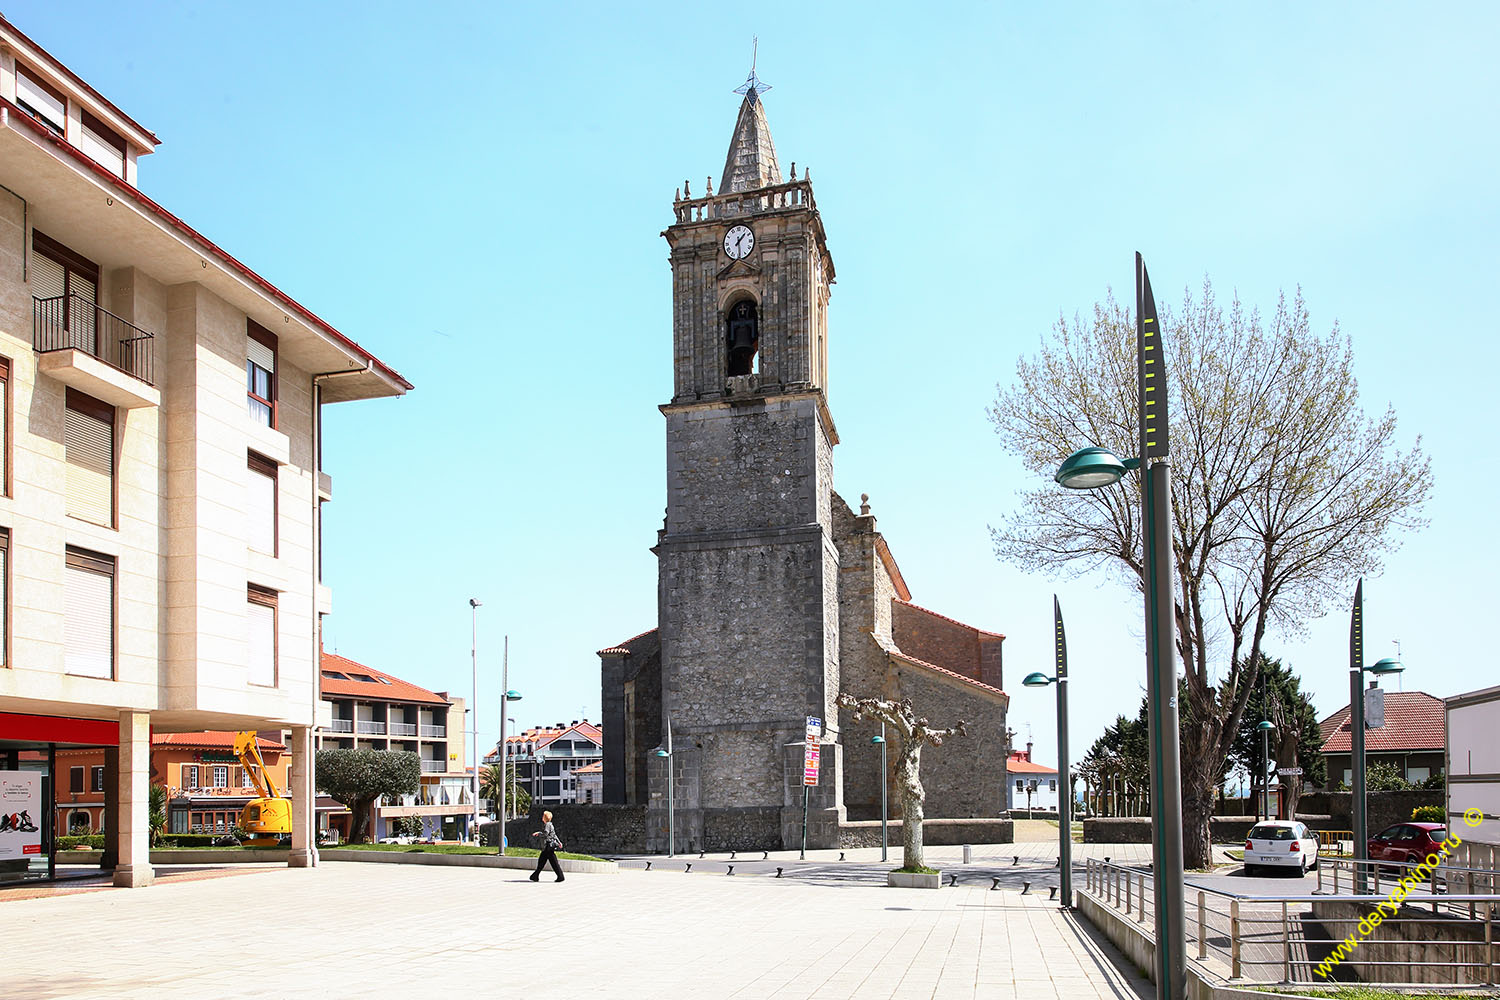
[
  {"x": 1389, "y": 665},
  {"x": 512, "y": 696},
  {"x": 877, "y": 740},
  {"x": 660, "y": 752},
  {"x": 1036, "y": 680},
  {"x": 1266, "y": 725},
  {"x": 1091, "y": 468}
]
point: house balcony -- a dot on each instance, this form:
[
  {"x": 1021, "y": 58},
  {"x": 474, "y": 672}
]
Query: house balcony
[
  {"x": 434, "y": 732},
  {"x": 341, "y": 726},
  {"x": 403, "y": 729},
  {"x": 434, "y": 766},
  {"x": 91, "y": 349},
  {"x": 372, "y": 728}
]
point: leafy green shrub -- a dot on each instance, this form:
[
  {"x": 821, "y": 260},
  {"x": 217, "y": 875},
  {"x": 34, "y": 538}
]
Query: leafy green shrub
[
  {"x": 188, "y": 840},
  {"x": 1437, "y": 781},
  {"x": 94, "y": 840},
  {"x": 1386, "y": 777},
  {"x": 1428, "y": 814}
]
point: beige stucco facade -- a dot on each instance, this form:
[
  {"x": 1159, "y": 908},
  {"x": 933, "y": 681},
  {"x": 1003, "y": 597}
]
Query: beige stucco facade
[{"x": 180, "y": 537}]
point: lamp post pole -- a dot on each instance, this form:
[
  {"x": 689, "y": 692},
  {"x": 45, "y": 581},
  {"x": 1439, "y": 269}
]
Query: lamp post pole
[
  {"x": 504, "y": 707},
  {"x": 1265, "y": 728},
  {"x": 1361, "y": 821},
  {"x": 474, "y": 606},
  {"x": 505, "y": 755},
  {"x": 671, "y": 796},
  {"x": 1065, "y": 801},
  {"x": 884, "y": 780}
]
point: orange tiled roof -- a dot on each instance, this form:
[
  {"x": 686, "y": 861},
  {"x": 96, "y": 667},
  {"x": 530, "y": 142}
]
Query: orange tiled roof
[
  {"x": 914, "y": 661},
  {"x": 1414, "y": 720},
  {"x": 212, "y": 740},
  {"x": 624, "y": 647},
  {"x": 370, "y": 684},
  {"x": 597, "y": 767},
  {"x": 542, "y": 735},
  {"x": 955, "y": 621},
  {"x": 1018, "y": 764}
]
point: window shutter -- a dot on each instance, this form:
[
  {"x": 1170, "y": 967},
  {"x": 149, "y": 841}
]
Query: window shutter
[
  {"x": 4, "y": 592},
  {"x": 262, "y": 660},
  {"x": 99, "y": 141},
  {"x": 261, "y": 506},
  {"x": 89, "y": 445},
  {"x": 48, "y": 278},
  {"x": 31, "y": 93},
  {"x": 261, "y": 354},
  {"x": 88, "y": 622}
]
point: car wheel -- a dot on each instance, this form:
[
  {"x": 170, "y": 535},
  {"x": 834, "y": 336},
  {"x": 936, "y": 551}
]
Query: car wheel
[
  {"x": 1302, "y": 866},
  {"x": 1316, "y": 862}
]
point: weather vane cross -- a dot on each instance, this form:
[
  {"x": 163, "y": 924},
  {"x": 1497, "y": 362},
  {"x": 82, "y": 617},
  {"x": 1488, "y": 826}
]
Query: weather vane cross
[{"x": 753, "y": 85}]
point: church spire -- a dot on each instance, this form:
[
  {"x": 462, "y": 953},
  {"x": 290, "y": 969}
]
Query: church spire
[{"x": 751, "y": 162}]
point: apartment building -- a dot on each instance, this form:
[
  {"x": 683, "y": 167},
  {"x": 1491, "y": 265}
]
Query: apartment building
[
  {"x": 162, "y": 487},
  {"x": 549, "y": 761},
  {"x": 370, "y": 709}
]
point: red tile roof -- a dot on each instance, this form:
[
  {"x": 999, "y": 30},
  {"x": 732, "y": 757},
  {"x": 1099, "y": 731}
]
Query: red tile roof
[
  {"x": 1414, "y": 720},
  {"x": 1018, "y": 764},
  {"x": 370, "y": 684},
  {"x": 908, "y": 658},
  {"x": 955, "y": 621},
  {"x": 542, "y": 735},
  {"x": 597, "y": 767},
  {"x": 213, "y": 740},
  {"x": 624, "y": 647}
]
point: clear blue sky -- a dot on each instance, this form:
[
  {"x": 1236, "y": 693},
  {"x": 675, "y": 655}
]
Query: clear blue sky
[{"x": 475, "y": 194}]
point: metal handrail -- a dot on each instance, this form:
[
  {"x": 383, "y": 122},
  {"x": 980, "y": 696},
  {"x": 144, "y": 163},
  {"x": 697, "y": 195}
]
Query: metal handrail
[{"x": 72, "y": 322}]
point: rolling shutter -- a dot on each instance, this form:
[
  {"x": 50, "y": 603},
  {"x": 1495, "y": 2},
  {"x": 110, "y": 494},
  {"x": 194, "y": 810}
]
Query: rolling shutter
[
  {"x": 260, "y": 504},
  {"x": 99, "y": 141},
  {"x": 261, "y": 354},
  {"x": 89, "y": 616},
  {"x": 262, "y": 651},
  {"x": 40, "y": 99},
  {"x": 48, "y": 277},
  {"x": 89, "y": 444}
]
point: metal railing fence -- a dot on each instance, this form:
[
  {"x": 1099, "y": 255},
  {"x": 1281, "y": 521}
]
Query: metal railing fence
[
  {"x": 1289, "y": 938},
  {"x": 72, "y": 322}
]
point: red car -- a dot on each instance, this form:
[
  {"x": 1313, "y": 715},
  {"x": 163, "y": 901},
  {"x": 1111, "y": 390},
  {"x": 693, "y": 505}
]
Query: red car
[{"x": 1407, "y": 842}]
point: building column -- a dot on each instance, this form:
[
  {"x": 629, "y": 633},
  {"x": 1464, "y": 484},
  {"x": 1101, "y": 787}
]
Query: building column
[
  {"x": 304, "y": 852},
  {"x": 132, "y": 833}
]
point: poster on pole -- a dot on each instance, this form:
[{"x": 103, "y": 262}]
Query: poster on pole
[
  {"x": 20, "y": 813},
  {"x": 811, "y": 750},
  {"x": 1374, "y": 708}
]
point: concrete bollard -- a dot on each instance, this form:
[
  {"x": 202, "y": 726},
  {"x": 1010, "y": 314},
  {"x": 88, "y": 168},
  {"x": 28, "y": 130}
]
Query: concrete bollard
[
  {"x": 994, "y": 882},
  {"x": 731, "y": 870},
  {"x": 648, "y": 866},
  {"x": 841, "y": 855},
  {"x": 1015, "y": 860},
  {"x": 687, "y": 868},
  {"x": 765, "y": 855},
  {"x": 953, "y": 879},
  {"x": 731, "y": 855},
  {"x": 1052, "y": 892},
  {"x": 778, "y": 873},
  {"x": 1025, "y": 888},
  {"x": 968, "y": 854}
]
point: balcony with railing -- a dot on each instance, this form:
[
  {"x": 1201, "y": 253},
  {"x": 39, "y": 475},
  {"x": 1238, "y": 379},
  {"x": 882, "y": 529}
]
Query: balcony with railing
[
  {"x": 433, "y": 766},
  {"x": 368, "y": 726},
  {"x": 738, "y": 204},
  {"x": 91, "y": 349},
  {"x": 434, "y": 732},
  {"x": 341, "y": 726},
  {"x": 403, "y": 729}
]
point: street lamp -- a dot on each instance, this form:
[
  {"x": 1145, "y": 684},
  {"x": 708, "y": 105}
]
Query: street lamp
[
  {"x": 506, "y": 762},
  {"x": 506, "y": 697},
  {"x": 474, "y": 605},
  {"x": 1265, "y": 728},
  {"x": 1357, "y": 670},
  {"x": 1092, "y": 468},
  {"x": 884, "y": 778},
  {"x": 671, "y": 818},
  {"x": 1065, "y": 800}
]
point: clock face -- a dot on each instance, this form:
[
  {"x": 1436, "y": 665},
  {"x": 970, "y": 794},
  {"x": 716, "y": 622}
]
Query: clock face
[{"x": 738, "y": 242}]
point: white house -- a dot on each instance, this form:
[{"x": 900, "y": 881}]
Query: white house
[{"x": 1029, "y": 785}]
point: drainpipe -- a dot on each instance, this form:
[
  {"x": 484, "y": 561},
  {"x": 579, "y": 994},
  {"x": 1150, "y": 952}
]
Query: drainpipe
[{"x": 317, "y": 629}]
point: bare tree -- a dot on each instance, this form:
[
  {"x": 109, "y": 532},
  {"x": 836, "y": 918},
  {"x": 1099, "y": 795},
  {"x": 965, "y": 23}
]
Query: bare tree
[
  {"x": 915, "y": 734},
  {"x": 1283, "y": 490}
]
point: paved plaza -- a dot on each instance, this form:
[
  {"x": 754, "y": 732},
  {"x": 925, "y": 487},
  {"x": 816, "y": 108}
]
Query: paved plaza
[{"x": 826, "y": 928}]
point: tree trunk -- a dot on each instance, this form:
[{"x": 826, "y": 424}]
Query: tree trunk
[
  {"x": 909, "y": 783},
  {"x": 360, "y": 810}
]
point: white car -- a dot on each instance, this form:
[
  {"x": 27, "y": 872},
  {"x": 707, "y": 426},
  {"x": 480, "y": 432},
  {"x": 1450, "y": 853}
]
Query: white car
[{"x": 1281, "y": 844}]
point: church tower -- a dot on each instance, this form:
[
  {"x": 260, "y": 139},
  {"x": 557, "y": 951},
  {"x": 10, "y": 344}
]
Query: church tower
[{"x": 748, "y": 587}]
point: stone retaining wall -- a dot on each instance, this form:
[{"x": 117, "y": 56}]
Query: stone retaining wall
[
  {"x": 584, "y": 829},
  {"x": 935, "y": 832},
  {"x": 1137, "y": 829}
]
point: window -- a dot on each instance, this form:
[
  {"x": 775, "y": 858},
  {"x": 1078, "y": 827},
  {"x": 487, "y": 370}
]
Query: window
[
  {"x": 190, "y": 776},
  {"x": 102, "y": 145},
  {"x": 89, "y": 446},
  {"x": 260, "y": 373},
  {"x": 1418, "y": 773},
  {"x": 97, "y": 774},
  {"x": 245, "y": 778},
  {"x": 262, "y": 636},
  {"x": 89, "y": 614},
  {"x": 5, "y": 427},
  {"x": 1020, "y": 784},
  {"x": 1052, "y": 785},
  {"x": 41, "y": 101},
  {"x": 262, "y": 504},
  {"x": 221, "y": 777},
  {"x": 75, "y": 780},
  {"x": 4, "y": 596},
  {"x": 66, "y": 286}
]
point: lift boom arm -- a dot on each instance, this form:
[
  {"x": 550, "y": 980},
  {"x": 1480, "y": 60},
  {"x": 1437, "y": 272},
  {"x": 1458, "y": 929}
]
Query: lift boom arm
[{"x": 247, "y": 750}]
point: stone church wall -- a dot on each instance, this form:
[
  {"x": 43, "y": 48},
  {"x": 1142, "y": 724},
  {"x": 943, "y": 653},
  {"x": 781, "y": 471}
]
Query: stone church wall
[{"x": 965, "y": 777}]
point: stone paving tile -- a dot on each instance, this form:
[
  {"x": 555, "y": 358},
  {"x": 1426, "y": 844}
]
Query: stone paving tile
[{"x": 355, "y": 930}]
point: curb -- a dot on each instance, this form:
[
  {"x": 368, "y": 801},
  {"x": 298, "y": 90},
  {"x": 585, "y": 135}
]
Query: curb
[{"x": 462, "y": 860}]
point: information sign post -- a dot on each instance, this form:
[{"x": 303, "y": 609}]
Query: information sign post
[{"x": 810, "y": 752}]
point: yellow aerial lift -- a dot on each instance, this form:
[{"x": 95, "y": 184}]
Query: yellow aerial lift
[{"x": 268, "y": 816}]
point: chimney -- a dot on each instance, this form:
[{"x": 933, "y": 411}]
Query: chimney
[{"x": 1028, "y": 750}]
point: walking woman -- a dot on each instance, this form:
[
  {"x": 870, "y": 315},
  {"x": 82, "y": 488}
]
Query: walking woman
[{"x": 550, "y": 846}]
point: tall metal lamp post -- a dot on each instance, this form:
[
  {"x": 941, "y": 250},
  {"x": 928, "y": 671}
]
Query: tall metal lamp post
[
  {"x": 1092, "y": 468},
  {"x": 884, "y": 779},
  {"x": 474, "y": 605},
  {"x": 666, "y": 752},
  {"x": 1265, "y": 727},
  {"x": 1357, "y": 670},
  {"x": 506, "y": 697},
  {"x": 1065, "y": 800},
  {"x": 506, "y": 756}
]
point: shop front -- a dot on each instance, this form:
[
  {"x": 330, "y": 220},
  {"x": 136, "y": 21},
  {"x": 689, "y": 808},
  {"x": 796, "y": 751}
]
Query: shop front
[{"x": 30, "y": 750}]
